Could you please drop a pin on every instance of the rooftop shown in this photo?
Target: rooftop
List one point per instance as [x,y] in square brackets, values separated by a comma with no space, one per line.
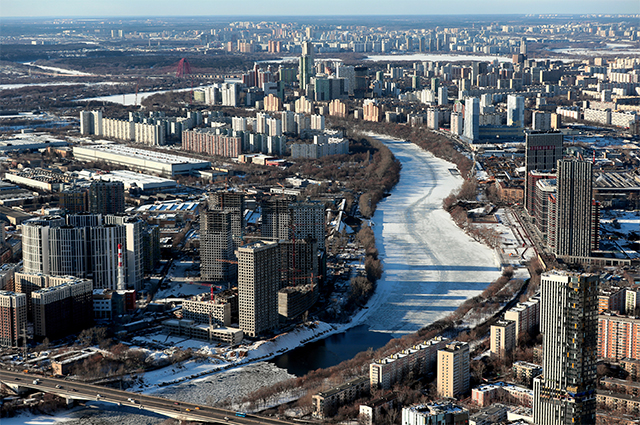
[144,154]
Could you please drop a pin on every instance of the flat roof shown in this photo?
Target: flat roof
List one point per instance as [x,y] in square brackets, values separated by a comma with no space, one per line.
[144,154]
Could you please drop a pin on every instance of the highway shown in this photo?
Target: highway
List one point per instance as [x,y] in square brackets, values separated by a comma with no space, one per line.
[171,408]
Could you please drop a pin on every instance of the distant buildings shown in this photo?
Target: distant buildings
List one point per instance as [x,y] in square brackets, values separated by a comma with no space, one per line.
[569,322]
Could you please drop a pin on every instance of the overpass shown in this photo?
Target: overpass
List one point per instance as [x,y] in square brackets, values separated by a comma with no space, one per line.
[71,390]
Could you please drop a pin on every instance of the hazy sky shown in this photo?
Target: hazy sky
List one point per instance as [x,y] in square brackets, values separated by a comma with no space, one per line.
[107,8]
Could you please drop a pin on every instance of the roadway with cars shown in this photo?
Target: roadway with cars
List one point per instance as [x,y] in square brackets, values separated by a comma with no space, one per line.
[171,408]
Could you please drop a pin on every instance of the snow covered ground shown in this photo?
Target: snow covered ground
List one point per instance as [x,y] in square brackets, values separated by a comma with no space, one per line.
[93,413]
[430,265]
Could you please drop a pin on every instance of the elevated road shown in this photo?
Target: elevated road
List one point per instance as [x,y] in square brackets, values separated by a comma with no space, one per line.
[72,390]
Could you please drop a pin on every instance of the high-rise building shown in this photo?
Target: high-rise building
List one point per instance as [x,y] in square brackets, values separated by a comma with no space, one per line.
[566,392]
[91,122]
[307,221]
[457,123]
[542,152]
[515,111]
[526,316]
[574,209]
[103,254]
[618,337]
[13,317]
[541,121]
[106,197]
[232,202]
[472,119]
[35,243]
[276,217]
[453,369]
[433,118]
[503,337]
[83,247]
[258,284]
[306,68]
[133,247]
[443,95]
[61,310]
[216,246]
[298,262]
[75,200]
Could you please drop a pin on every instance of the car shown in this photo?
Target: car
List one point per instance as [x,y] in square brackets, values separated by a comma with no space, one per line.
[188,410]
[176,403]
[74,390]
[58,386]
[36,381]
[98,396]
[17,379]
[197,408]
[226,419]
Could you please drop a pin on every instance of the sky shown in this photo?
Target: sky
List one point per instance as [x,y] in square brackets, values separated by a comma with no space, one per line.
[135,8]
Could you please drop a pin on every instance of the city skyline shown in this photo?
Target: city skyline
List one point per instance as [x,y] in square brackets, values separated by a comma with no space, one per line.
[253,8]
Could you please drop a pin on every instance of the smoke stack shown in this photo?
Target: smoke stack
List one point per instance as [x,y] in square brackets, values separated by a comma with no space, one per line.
[120,269]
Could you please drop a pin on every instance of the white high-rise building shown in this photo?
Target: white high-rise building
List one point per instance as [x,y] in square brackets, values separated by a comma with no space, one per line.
[443,95]
[91,122]
[433,118]
[472,119]
[457,123]
[515,111]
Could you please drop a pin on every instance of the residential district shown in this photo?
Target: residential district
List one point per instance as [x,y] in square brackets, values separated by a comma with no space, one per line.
[179,200]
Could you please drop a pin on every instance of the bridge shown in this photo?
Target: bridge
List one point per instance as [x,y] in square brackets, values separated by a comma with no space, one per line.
[71,390]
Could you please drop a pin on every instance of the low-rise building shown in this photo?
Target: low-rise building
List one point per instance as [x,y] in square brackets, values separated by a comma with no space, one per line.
[524,372]
[191,329]
[327,403]
[441,413]
[370,412]
[421,358]
[485,395]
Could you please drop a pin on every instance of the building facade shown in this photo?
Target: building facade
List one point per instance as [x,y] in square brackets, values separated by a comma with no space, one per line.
[565,393]
[453,369]
[258,285]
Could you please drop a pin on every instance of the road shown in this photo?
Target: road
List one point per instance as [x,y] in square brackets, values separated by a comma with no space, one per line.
[178,410]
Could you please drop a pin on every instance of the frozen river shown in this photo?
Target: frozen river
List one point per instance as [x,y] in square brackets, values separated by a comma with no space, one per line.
[430,265]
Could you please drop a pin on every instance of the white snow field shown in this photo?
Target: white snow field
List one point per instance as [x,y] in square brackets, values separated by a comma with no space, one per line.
[430,265]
